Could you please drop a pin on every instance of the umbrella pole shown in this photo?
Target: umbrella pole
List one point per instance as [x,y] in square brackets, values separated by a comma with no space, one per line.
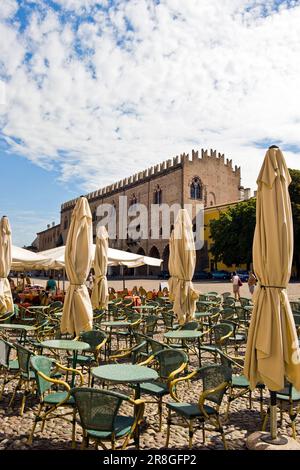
[273,416]
[274,437]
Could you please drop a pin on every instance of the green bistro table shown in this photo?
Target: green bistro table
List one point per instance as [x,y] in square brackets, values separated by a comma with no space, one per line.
[126,374]
[24,329]
[184,335]
[67,345]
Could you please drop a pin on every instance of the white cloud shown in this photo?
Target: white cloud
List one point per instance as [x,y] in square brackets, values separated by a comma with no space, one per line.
[8,8]
[154,81]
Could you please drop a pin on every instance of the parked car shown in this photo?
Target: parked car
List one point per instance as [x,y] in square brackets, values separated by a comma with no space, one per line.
[202,275]
[243,275]
[221,275]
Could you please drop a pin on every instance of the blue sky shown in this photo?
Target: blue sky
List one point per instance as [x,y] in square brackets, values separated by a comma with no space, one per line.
[93,91]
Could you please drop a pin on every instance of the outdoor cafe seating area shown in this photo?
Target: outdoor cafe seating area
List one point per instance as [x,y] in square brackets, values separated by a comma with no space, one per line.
[150,381]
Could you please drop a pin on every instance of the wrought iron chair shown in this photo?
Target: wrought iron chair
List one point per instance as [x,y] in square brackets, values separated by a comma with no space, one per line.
[50,400]
[215,380]
[100,419]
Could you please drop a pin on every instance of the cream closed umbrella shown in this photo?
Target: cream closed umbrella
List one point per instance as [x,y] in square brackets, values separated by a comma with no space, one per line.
[100,290]
[6,300]
[272,348]
[78,312]
[182,261]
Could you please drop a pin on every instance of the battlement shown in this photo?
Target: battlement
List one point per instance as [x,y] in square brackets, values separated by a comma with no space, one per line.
[161,168]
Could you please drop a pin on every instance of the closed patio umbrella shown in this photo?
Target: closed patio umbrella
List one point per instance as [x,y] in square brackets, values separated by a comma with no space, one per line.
[272,348]
[182,261]
[78,312]
[100,290]
[6,300]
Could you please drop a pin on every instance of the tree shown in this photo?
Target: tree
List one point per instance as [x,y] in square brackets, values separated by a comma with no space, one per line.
[294,190]
[233,232]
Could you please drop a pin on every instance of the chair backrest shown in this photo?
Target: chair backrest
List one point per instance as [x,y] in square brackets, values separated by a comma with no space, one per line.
[221,333]
[245,301]
[168,319]
[24,356]
[93,338]
[212,376]
[156,346]
[227,313]
[295,306]
[229,301]
[191,326]
[42,364]
[169,360]
[97,408]
[150,324]
[5,348]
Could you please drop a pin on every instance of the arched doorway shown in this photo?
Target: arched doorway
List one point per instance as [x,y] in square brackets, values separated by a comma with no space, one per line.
[141,271]
[128,271]
[154,270]
[165,256]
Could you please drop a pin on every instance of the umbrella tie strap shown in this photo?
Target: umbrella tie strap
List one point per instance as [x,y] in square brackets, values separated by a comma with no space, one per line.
[272,287]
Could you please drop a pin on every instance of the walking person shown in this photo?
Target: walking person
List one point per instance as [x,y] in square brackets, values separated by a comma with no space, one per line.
[236,284]
[252,282]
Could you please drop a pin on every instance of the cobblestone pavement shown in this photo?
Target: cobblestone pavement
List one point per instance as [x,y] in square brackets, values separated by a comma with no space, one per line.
[242,421]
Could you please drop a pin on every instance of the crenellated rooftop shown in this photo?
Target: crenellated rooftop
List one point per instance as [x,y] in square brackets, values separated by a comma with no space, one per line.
[140,177]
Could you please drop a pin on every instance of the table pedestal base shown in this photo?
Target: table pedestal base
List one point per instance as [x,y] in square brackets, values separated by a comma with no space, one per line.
[258,441]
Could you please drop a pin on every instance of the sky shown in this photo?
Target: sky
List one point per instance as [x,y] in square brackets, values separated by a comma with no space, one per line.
[94,91]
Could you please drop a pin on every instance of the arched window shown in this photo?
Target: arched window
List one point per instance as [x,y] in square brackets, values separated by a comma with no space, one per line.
[157,196]
[133,200]
[196,188]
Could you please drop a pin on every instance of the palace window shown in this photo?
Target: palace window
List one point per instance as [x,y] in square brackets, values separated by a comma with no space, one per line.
[196,188]
[133,200]
[157,195]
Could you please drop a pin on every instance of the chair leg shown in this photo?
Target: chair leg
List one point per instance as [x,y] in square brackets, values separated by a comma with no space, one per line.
[18,386]
[191,433]
[168,428]
[3,384]
[265,421]
[73,428]
[250,399]
[160,413]
[37,419]
[203,432]
[293,416]
[221,430]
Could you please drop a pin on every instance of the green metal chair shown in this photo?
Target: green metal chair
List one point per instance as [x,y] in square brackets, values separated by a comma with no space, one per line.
[97,340]
[169,363]
[9,367]
[229,302]
[100,419]
[221,332]
[50,400]
[25,374]
[150,325]
[168,319]
[215,381]
[239,383]
[290,397]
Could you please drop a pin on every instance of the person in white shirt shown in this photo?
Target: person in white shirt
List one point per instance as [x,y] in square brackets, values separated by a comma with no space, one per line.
[236,283]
